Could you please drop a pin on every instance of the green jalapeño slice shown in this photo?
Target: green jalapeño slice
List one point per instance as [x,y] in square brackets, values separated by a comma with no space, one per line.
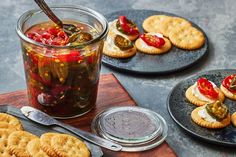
[217,110]
[122,42]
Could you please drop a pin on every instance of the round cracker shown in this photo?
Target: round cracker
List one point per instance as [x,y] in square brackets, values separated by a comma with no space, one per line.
[11,120]
[189,38]
[5,125]
[113,51]
[227,93]
[113,30]
[45,143]
[196,101]
[143,47]
[210,125]
[67,145]
[34,148]
[152,23]
[18,141]
[233,119]
[4,135]
[173,23]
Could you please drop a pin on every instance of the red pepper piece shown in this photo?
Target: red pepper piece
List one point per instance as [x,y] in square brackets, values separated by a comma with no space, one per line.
[62,35]
[127,26]
[31,35]
[53,31]
[58,41]
[206,88]
[152,40]
[47,35]
[36,37]
[226,83]
[51,36]
[73,56]
[91,59]
[33,58]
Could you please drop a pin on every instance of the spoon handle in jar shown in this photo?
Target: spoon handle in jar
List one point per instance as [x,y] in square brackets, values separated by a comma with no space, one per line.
[92,138]
[48,12]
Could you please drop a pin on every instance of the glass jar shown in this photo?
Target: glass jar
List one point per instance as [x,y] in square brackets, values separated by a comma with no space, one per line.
[63,80]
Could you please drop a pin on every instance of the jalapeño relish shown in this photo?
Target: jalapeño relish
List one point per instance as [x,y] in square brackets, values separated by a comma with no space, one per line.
[62,82]
[126,26]
[153,40]
[206,88]
[230,83]
[217,110]
[123,43]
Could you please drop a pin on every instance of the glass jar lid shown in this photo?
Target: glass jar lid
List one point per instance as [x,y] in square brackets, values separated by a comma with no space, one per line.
[135,128]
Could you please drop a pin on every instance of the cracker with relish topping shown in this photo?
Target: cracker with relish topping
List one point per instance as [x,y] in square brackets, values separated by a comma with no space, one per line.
[196,101]
[210,125]
[227,93]
[113,30]
[228,86]
[143,47]
[115,49]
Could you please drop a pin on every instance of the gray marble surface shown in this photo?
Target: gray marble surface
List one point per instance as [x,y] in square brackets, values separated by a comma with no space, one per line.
[216,17]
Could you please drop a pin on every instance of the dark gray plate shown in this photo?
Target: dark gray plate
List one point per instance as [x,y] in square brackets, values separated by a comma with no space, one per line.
[38,129]
[175,60]
[180,110]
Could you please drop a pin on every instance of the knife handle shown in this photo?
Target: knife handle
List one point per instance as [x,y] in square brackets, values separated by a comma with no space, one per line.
[92,138]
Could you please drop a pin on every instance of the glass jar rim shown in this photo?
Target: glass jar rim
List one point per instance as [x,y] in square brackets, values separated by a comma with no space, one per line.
[23,18]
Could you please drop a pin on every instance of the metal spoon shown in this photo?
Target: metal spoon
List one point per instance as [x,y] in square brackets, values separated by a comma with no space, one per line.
[69,29]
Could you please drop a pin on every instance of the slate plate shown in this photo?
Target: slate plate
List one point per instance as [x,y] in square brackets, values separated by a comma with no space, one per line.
[38,129]
[175,60]
[180,110]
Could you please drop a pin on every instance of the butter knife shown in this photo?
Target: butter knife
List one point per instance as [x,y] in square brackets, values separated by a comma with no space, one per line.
[44,119]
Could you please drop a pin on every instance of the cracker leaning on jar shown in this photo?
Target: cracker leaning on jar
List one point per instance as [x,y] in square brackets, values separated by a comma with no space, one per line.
[204,91]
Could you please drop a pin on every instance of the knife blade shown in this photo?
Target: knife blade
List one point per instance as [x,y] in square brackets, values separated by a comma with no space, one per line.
[44,119]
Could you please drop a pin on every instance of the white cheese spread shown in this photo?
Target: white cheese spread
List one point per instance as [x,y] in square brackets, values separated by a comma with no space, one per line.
[203,114]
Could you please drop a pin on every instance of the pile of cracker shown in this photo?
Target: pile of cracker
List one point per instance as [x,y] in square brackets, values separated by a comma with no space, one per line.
[15,142]
[180,31]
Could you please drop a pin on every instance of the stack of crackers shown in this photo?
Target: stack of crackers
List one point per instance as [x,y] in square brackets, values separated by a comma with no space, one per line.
[14,142]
